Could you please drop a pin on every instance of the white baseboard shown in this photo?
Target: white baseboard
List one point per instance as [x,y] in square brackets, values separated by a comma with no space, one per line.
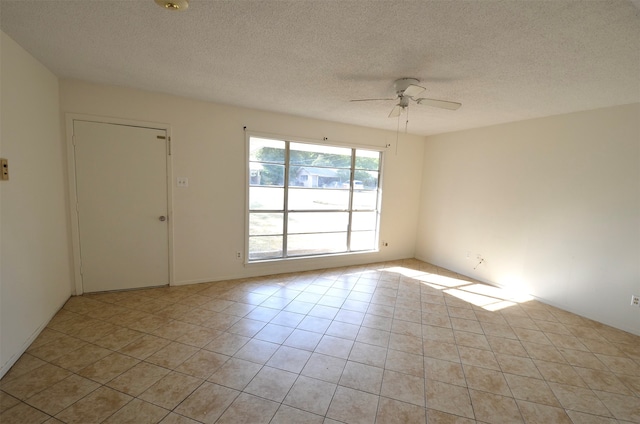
[25,345]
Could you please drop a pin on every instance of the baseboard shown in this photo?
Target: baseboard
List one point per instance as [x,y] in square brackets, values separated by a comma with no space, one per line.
[14,358]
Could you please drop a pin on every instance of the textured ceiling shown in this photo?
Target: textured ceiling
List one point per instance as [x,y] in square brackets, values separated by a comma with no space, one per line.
[504,60]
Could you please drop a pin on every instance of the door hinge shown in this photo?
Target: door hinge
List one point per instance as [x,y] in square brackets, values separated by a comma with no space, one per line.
[169,146]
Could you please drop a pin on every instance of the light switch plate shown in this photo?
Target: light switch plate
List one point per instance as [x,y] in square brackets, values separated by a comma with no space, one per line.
[4,169]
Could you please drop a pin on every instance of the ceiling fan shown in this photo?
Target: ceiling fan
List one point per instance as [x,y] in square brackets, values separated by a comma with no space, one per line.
[408,89]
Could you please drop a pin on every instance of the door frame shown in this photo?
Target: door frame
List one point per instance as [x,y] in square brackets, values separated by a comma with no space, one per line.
[70,118]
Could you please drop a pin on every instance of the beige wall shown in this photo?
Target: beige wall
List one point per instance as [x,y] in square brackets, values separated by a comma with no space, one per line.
[552,204]
[35,261]
[209,149]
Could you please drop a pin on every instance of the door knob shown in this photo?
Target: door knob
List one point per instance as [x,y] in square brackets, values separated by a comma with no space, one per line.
[163,218]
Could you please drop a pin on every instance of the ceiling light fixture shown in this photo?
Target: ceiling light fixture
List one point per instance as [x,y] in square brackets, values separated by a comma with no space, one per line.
[178,5]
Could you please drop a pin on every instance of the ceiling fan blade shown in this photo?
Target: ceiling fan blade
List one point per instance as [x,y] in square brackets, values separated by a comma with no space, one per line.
[442,104]
[369,100]
[413,90]
[396,111]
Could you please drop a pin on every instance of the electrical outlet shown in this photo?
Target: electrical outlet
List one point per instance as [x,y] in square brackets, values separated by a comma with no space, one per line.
[238,255]
[385,244]
[635,300]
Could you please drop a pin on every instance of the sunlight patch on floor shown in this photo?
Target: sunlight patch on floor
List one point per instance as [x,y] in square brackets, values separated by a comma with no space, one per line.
[485,296]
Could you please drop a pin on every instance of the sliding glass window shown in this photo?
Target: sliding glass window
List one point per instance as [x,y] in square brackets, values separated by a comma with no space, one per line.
[311,199]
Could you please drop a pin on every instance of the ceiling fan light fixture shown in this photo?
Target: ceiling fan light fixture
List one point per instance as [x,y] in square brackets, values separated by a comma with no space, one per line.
[175,5]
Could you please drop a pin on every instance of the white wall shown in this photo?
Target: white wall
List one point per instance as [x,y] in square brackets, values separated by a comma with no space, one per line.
[34,250]
[209,149]
[552,204]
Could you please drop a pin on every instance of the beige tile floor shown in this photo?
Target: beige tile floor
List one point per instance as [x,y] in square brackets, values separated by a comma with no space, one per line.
[397,342]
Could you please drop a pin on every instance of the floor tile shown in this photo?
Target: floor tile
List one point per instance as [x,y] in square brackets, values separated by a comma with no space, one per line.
[274,333]
[448,398]
[202,364]
[108,367]
[405,343]
[623,407]
[303,339]
[353,406]
[620,365]
[403,387]
[23,365]
[441,350]
[343,330]
[311,395]
[249,409]
[57,348]
[334,346]
[22,413]
[138,379]
[478,357]
[362,377]
[517,365]
[368,354]
[315,324]
[144,347]
[62,394]
[119,338]
[495,409]
[579,399]
[391,411]
[271,383]
[172,355]
[288,319]
[486,380]
[559,373]
[207,403]
[531,390]
[289,359]
[227,343]
[138,412]
[7,401]
[34,381]
[170,390]
[289,415]
[373,336]
[174,418]
[445,371]
[404,362]
[602,380]
[257,351]
[94,408]
[324,367]
[537,413]
[507,346]
[235,373]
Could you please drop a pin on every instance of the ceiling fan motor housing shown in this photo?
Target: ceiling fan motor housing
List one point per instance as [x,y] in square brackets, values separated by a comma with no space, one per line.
[403,83]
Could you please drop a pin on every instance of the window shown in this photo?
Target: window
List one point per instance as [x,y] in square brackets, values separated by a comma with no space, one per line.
[311,199]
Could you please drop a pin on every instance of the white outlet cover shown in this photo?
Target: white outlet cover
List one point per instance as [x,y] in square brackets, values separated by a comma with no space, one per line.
[182,182]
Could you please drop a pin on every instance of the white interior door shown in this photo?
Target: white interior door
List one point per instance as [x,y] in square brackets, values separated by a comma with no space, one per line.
[121,188]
